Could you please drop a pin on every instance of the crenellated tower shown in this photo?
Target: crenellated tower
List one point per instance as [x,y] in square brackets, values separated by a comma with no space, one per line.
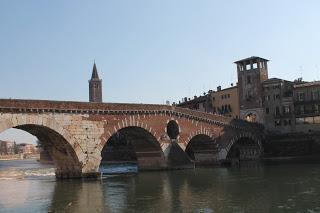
[251,73]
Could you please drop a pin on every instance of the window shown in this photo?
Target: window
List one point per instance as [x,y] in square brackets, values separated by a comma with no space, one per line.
[300,96]
[277,111]
[315,108]
[248,79]
[249,95]
[255,66]
[221,96]
[276,97]
[314,95]
[299,121]
[267,110]
[286,109]
[277,123]
[300,110]
[228,95]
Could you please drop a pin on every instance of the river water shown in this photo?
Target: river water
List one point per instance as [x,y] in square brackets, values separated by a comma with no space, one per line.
[27,186]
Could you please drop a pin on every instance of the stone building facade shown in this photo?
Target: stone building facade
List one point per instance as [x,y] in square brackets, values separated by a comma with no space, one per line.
[221,102]
[278,106]
[7,148]
[201,103]
[225,101]
[307,106]
[25,148]
[251,73]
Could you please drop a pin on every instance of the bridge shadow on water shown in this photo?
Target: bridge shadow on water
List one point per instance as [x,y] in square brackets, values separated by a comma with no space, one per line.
[246,189]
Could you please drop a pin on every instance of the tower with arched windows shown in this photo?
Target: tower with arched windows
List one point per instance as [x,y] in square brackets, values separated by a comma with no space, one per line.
[251,73]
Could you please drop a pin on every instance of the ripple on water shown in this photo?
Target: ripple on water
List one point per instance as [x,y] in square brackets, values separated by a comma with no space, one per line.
[25,173]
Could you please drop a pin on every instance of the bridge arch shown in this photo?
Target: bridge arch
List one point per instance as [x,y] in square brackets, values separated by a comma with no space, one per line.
[245,146]
[64,150]
[202,148]
[132,121]
[133,143]
[192,135]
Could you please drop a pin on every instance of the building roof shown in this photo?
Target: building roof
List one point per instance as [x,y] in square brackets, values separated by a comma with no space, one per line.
[251,58]
[274,80]
[199,99]
[94,72]
[227,88]
[307,84]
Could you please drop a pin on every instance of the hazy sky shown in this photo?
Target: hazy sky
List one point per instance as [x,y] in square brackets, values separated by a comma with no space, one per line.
[150,51]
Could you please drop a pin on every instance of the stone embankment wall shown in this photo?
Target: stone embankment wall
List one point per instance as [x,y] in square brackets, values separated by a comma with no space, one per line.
[291,145]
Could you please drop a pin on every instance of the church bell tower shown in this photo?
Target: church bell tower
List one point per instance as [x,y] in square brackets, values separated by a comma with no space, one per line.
[95,86]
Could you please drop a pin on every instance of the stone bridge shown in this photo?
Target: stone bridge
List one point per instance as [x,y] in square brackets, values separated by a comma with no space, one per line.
[162,137]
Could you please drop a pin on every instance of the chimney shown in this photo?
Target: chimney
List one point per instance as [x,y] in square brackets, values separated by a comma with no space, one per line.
[218,88]
[232,84]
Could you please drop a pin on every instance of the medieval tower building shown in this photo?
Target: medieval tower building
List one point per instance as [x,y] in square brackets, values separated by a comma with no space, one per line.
[251,73]
[95,86]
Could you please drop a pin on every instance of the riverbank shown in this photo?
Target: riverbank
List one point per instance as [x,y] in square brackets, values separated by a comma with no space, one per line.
[19,157]
[11,157]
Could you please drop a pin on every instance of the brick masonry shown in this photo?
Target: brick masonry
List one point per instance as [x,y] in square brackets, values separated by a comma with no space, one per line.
[76,132]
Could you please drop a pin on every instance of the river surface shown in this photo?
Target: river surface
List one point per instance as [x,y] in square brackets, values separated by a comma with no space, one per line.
[27,186]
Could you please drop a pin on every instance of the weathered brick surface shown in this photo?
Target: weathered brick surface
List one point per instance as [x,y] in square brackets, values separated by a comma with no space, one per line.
[86,127]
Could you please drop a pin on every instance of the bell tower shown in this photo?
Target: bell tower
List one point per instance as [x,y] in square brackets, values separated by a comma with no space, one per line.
[95,86]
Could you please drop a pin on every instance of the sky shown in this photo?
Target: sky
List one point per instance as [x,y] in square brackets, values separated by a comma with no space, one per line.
[150,51]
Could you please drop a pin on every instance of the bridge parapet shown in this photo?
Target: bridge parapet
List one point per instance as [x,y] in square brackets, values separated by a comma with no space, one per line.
[38,106]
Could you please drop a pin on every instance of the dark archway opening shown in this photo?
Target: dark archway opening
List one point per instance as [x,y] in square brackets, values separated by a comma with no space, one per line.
[131,145]
[172,129]
[244,149]
[202,149]
[59,150]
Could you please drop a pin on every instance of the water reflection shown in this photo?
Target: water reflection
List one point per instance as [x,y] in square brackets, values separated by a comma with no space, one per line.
[77,196]
[287,188]
[203,190]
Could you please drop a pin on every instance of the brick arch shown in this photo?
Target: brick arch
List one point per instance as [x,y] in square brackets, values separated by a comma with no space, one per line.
[124,123]
[46,122]
[194,134]
[144,144]
[243,135]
